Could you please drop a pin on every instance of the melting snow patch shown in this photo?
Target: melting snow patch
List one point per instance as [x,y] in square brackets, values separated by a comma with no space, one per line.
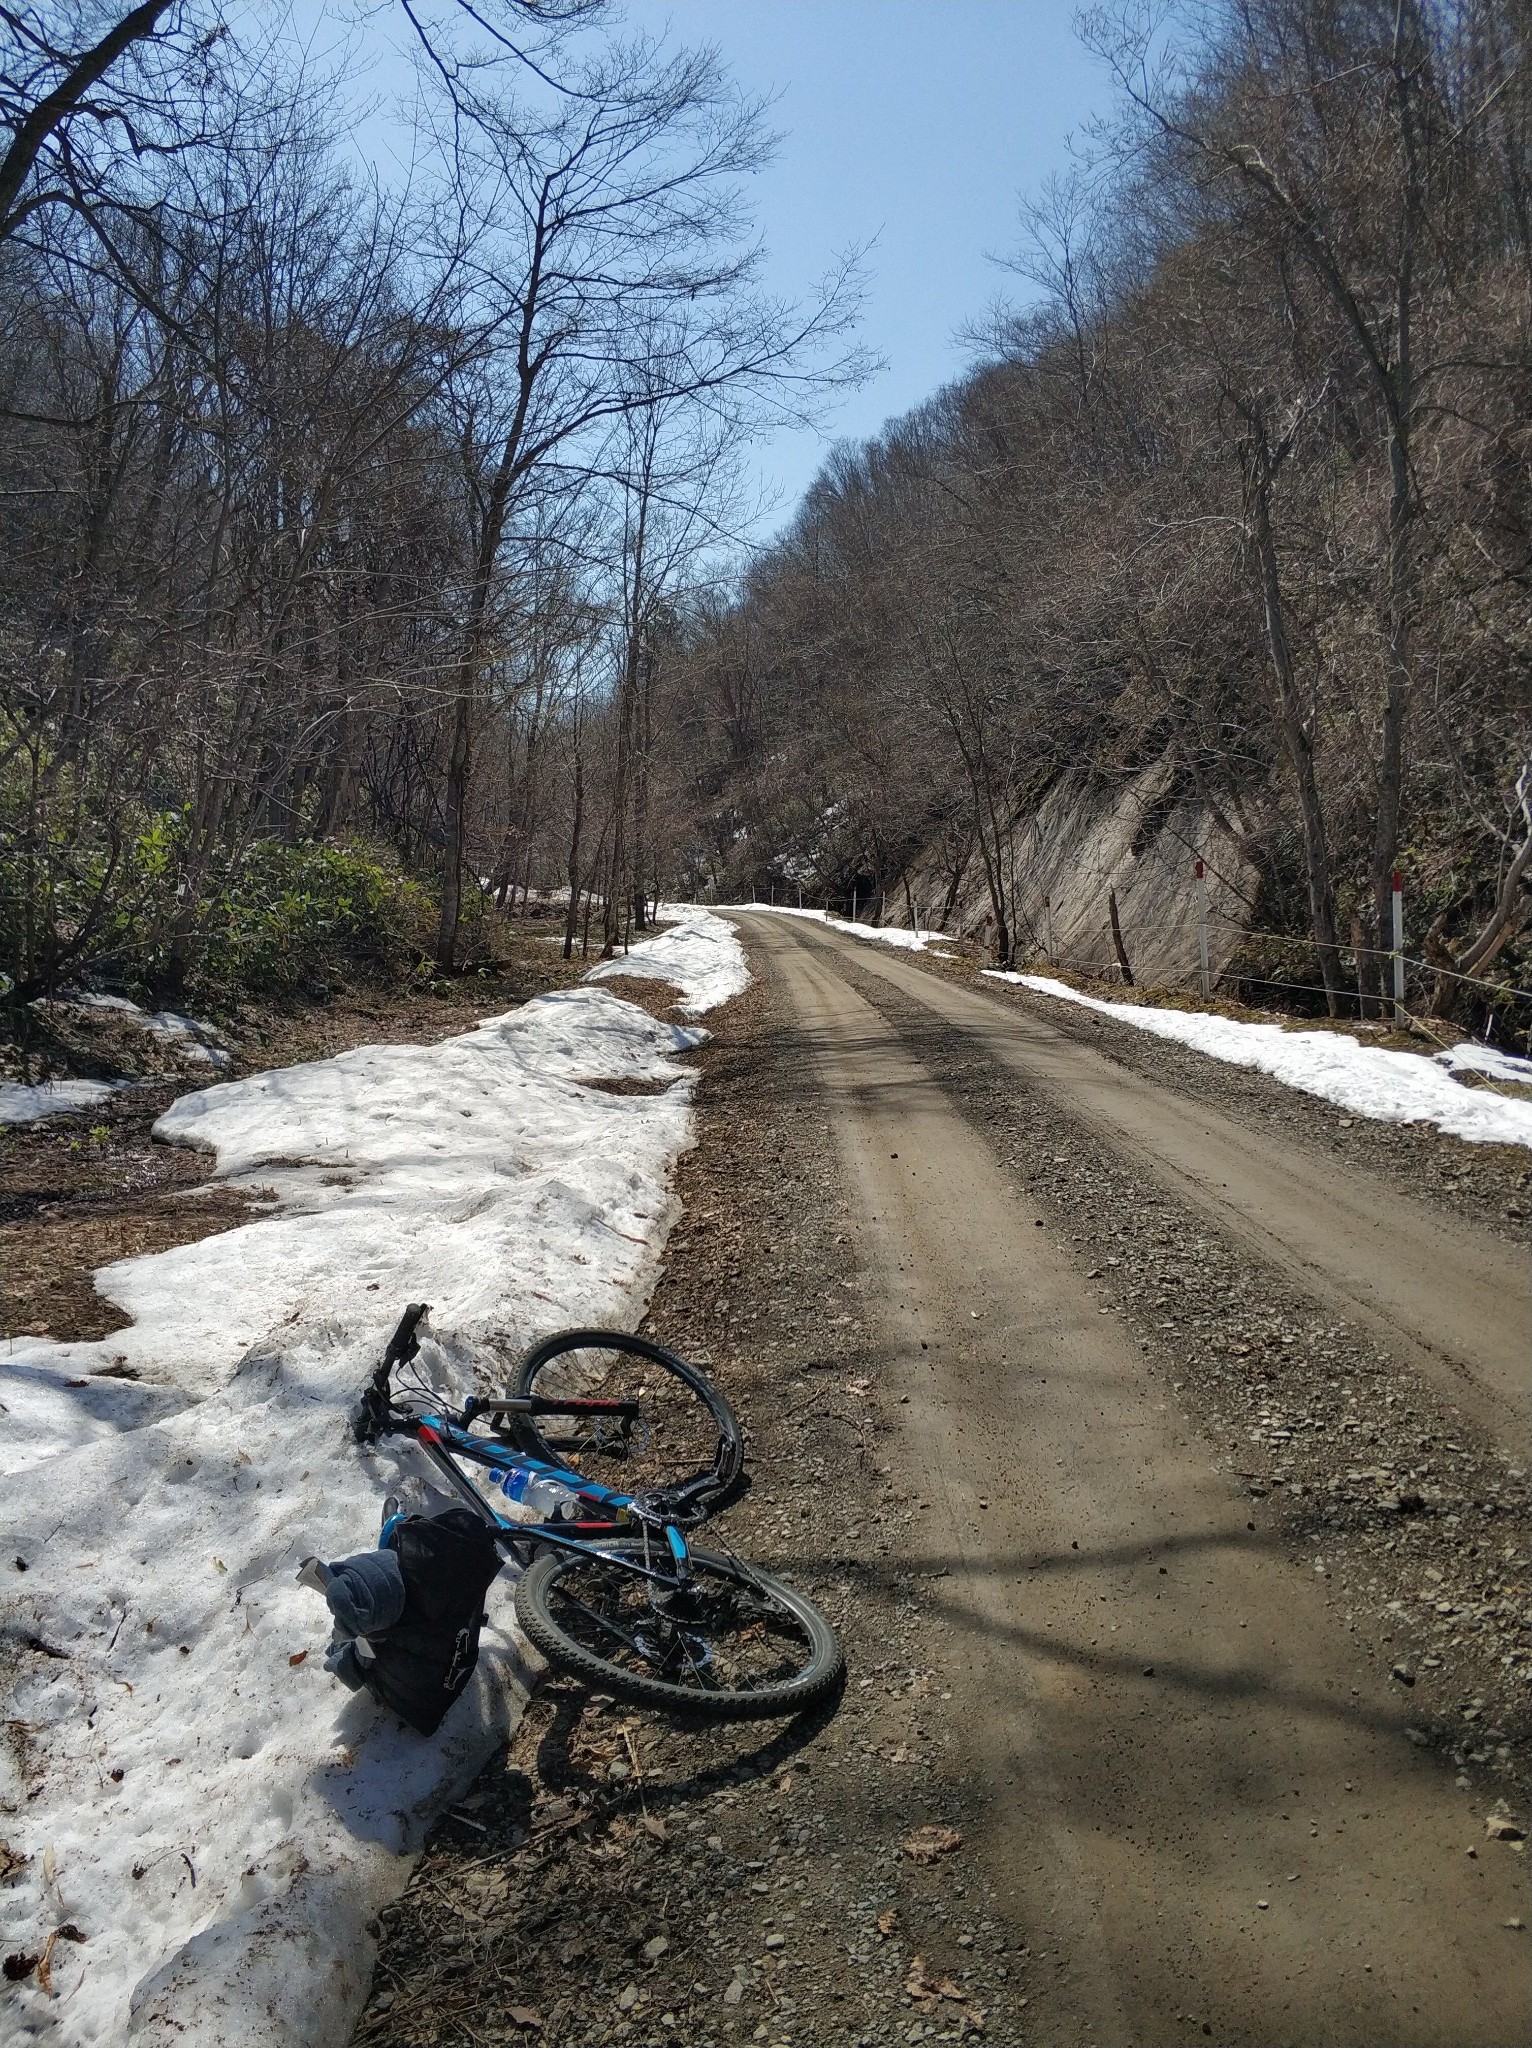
[1484,1059]
[192,1039]
[195,1041]
[217,1817]
[22,1102]
[701,956]
[1393,1087]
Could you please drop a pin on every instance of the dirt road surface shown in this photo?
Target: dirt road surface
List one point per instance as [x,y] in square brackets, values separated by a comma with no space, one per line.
[1450,1298]
[1181,1557]
[1195,1779]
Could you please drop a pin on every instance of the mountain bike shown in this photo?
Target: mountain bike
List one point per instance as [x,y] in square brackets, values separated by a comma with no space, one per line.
[611,1589]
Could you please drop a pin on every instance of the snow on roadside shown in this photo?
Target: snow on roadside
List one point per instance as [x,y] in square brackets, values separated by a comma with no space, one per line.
[701,955]
[880,934]
[192,1794]
[1367,1080]
[23,1102]
[1487,1060]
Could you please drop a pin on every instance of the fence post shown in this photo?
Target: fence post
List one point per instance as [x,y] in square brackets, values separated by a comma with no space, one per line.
[1400,1015]
[1202,931]
[1122,951]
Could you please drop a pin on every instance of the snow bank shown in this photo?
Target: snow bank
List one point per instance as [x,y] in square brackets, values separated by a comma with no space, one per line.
[216,1816]
[1394,1087]
[1485,1059]
[881,935]
[192,1039]
[29,1103]
[701,956]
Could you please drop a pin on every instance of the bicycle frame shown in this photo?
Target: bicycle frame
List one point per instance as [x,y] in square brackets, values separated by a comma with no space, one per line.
[443,1440]
[694,1619]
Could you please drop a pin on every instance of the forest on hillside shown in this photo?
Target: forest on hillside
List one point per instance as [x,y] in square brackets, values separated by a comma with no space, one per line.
[1244,495]
[341,516]
[370,559]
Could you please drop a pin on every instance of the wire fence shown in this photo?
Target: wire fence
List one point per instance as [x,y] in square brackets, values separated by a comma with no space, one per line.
[1506,991]
[1503,993]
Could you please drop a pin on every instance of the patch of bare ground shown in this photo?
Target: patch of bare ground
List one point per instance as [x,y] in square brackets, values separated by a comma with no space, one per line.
[80,1192]
[618,1878]
[659,998]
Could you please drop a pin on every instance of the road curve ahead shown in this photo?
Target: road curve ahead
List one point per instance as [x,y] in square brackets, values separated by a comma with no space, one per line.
[1200,1801]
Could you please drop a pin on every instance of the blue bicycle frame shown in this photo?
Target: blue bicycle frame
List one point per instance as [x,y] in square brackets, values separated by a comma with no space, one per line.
[443,1440]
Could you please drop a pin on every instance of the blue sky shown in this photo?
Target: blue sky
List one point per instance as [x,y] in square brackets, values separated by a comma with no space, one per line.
[910,125]
[915,122]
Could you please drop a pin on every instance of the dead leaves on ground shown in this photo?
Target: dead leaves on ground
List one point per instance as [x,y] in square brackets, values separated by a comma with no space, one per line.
[20,1966]
[928,1992]
[931,1842]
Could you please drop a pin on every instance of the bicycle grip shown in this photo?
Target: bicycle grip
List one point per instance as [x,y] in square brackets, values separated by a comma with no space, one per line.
[404,1343]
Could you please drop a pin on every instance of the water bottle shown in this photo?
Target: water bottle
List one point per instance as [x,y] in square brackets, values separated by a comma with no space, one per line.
[540,1496]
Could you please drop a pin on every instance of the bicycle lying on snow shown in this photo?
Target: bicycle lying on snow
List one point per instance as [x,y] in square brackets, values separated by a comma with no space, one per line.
[611,1588]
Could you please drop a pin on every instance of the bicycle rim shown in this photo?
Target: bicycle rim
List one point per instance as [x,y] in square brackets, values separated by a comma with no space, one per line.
[688,1429]
[737,1645]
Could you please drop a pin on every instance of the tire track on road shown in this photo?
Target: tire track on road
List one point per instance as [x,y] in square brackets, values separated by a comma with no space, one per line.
[1198,1783]
[1453,1300]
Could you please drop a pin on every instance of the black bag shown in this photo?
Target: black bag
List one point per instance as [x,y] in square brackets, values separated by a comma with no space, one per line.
[423,1662]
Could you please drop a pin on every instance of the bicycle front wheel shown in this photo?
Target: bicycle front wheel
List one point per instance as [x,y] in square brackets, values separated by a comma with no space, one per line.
[686,1429]
[734,1644]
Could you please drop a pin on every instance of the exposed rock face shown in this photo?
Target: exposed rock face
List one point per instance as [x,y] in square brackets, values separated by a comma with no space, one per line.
[1085,840]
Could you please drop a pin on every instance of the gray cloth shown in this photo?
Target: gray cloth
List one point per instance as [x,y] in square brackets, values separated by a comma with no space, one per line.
[366,1593]
[342,1661]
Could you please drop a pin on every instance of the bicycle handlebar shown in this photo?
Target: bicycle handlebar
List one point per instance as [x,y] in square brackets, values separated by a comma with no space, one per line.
[404,1344]
[373,1413]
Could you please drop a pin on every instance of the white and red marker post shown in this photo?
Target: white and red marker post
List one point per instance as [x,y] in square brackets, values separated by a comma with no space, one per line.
[1400,1014]
[1202,932]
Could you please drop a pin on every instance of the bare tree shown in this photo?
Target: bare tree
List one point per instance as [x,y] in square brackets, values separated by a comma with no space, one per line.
[610,218]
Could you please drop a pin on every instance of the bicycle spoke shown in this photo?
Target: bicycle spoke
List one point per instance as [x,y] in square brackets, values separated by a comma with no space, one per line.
[601,1621]
[720,1642]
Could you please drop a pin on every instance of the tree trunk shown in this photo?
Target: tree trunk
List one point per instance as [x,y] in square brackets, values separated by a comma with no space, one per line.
[1391,739]
[1121,949]
[1369,978]
[1297,741]
[455,819]
[572,913]
[955,881]
[644,714]
[616,896]
[590,894]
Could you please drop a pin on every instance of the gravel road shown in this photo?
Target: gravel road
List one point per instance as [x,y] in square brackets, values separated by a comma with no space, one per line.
[1180,1597]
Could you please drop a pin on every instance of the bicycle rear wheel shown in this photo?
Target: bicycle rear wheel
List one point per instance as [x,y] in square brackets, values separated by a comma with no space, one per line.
[687,1429]
[733,1645]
